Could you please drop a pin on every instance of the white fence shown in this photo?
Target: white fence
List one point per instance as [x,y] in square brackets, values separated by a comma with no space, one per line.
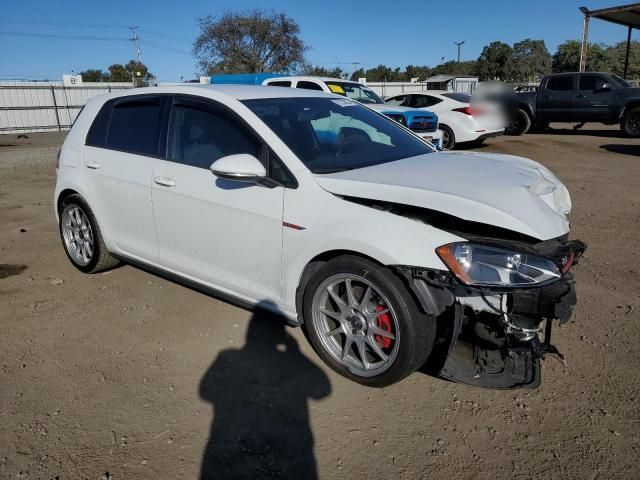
[389,89]
[45,106]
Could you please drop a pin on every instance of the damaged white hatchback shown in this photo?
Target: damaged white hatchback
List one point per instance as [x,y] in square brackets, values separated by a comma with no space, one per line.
[392,256]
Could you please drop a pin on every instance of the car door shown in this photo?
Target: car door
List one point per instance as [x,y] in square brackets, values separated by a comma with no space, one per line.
[122,147]
[556,99]
[593,99]
[222,232]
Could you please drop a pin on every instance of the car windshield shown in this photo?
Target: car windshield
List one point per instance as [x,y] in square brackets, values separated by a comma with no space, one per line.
[333,135]
[353,90]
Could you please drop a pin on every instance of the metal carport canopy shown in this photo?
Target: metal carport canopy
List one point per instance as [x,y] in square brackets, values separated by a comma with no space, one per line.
[626,15]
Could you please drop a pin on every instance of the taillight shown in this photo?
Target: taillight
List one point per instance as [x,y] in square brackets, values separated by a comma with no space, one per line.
[468,111]
[58,159]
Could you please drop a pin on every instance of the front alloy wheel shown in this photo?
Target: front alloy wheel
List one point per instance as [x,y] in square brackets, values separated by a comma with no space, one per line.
[364,322]
[356,324]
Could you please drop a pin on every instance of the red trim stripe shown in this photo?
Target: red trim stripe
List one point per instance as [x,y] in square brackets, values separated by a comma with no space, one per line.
[292,225]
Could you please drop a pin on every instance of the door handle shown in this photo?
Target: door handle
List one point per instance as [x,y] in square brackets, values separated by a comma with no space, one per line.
[165,181]
[580,96]
[93,165]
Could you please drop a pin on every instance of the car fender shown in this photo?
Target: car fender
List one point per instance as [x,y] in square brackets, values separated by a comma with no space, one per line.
[387,238]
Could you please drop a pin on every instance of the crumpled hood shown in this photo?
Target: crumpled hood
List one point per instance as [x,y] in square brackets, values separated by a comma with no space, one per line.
[501,190]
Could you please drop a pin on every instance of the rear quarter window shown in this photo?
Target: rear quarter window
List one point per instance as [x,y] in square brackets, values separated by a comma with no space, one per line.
[97,135]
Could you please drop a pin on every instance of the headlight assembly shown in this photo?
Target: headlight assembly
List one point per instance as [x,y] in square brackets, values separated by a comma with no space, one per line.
[482,265]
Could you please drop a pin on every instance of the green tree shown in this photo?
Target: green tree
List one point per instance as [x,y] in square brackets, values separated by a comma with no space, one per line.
[318,71]
[415,71]
[94,75]
[359,73]
[256,41]
[452,67]
[567,57]
[616,55]
[495,62]
[382,73]
[531,60]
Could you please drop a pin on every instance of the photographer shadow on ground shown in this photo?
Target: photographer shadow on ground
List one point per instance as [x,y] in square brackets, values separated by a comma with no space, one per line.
[260,395]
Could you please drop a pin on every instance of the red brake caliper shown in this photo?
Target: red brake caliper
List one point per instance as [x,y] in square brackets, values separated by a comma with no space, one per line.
[384,322]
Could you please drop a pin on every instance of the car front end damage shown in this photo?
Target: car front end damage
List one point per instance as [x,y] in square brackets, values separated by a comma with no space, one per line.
[493,329]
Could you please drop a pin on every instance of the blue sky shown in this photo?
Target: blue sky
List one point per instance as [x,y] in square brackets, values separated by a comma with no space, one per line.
[370,32]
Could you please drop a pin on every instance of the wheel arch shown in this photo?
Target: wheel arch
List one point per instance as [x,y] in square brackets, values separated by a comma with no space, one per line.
[628,106]
[67,192]
[312,267]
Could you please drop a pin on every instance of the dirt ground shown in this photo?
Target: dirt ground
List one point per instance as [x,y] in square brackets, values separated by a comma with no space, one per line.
[126,375]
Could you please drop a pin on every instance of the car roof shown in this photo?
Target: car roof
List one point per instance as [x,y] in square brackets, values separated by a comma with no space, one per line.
[425,92]
[237,92]
[310,78]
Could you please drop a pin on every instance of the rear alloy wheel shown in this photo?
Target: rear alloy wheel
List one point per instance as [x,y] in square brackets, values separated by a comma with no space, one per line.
[630,124]
[364,323]
[520,123]
[82,238]
[448,138]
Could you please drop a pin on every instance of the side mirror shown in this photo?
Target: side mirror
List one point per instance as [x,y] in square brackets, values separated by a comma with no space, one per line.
[241,167]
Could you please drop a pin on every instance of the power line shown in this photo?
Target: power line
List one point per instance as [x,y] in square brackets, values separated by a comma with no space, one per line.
[166,48]
[63,24]
[63,37]
[166,37]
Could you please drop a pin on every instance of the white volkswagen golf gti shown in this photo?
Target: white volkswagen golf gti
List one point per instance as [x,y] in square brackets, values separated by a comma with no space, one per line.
[393,257]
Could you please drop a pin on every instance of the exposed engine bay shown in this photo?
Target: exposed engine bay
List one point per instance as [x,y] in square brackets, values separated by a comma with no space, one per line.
[492,337]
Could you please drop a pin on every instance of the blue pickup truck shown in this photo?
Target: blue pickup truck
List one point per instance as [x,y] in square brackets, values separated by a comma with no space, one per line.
[421,122]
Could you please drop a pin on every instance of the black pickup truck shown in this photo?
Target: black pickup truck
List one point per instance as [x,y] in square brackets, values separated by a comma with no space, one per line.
[578,97]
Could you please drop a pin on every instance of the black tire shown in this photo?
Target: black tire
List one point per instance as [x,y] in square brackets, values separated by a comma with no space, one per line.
[100,258]
[448,138]
[539,126]
[520,123]
[630,123]
[416,331]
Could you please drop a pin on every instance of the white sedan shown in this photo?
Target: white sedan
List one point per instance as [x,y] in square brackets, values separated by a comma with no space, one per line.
[459,120]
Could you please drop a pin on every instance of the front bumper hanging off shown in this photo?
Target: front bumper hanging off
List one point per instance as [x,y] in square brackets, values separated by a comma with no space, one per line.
[496,338]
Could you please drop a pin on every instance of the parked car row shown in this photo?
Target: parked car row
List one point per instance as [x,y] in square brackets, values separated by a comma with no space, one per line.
[422,123]
[459,120]
[578,97]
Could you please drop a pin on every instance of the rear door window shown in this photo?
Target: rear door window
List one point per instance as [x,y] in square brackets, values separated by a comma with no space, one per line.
[308,85]
[560,84]
[397,101]
[422,101]
[280,83]
[135,125]
[591,83]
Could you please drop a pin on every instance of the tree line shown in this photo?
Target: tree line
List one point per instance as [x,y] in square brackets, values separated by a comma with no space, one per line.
[267,41]
[118,73]
[525,61]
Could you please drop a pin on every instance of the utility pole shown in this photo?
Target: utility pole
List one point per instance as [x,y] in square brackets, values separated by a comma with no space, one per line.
[459,44]
[355,67]
[136,41]
[584,45]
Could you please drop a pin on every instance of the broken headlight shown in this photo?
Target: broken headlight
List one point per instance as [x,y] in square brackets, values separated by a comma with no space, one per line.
[482,265]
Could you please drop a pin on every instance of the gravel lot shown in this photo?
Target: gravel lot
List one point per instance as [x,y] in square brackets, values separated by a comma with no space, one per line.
[126,375]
